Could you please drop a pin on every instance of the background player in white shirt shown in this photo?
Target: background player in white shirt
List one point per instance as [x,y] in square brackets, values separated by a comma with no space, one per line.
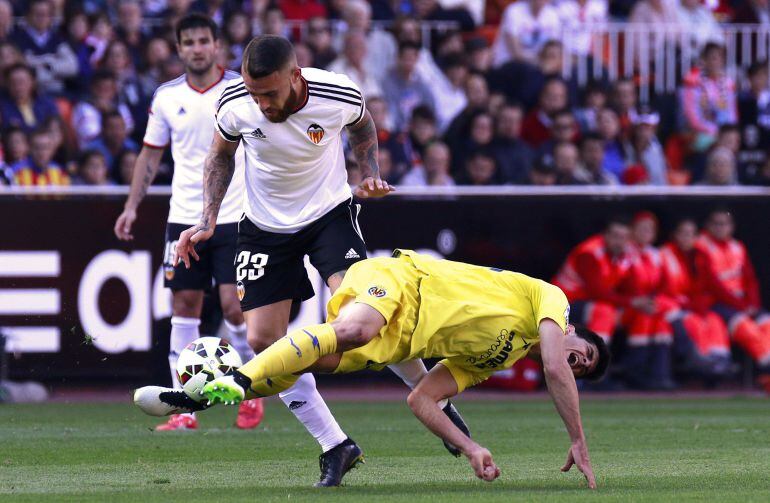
[290,121]
[180,115]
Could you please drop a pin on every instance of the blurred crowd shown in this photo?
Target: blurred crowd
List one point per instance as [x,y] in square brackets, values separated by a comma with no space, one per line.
[682,307]
[468,92]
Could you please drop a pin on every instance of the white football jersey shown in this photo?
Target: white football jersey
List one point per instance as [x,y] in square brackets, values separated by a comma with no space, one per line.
[295,170]
[181,115]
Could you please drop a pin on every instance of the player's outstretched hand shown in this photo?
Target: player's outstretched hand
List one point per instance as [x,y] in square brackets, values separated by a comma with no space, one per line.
[373,187]
[578,455]
[483,464]
[124,223]
[185,247]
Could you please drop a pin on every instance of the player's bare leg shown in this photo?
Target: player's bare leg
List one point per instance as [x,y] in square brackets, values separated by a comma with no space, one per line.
[267,324]
[186,312]
[250,412]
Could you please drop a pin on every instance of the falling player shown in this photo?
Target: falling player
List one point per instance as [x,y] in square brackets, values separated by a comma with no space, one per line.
[180,116]
[389,310]
[290,123]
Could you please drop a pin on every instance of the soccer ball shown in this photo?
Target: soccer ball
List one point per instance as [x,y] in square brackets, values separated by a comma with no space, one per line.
[202,361]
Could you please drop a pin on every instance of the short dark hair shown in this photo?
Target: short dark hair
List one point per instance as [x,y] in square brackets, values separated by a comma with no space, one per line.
[20,66]
[623,220]
[196,20]
[423,112]
[111,114]
[88,154]
[266,54]
[602,350]
[481,153]
[589,137]
[100,75]
[757,67]
[713,46]
[718,211]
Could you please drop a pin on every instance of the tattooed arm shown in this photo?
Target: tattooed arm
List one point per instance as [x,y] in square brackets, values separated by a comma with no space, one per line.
[145,169]
[217,172]
[363,140]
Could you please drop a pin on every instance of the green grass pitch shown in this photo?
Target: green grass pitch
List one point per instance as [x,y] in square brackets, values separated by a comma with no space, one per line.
[642,450]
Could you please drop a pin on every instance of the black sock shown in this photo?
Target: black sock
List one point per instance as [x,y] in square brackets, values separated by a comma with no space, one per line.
[242,380]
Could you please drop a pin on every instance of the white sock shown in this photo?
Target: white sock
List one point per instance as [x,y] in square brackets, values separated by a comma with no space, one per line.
[183,332]
[304,401]
[237,336]
[411,372]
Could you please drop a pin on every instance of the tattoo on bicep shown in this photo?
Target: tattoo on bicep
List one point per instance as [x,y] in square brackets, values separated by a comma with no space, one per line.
[363,141]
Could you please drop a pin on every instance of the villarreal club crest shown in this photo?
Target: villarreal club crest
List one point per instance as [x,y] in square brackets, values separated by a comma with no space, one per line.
[316,133]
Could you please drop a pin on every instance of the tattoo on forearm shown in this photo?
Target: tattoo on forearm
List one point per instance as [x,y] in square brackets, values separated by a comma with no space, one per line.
[363,141]
[149,175]
[217,173]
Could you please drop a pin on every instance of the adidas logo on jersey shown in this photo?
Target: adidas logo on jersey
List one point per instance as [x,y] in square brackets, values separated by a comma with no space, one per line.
[182,111]
[257,133]
[352,254]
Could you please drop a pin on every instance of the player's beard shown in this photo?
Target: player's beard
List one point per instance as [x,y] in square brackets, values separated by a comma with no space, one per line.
[200,70]
[292,102]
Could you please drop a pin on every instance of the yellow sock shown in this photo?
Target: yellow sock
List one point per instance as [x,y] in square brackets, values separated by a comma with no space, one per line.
[270,387]
[292,353]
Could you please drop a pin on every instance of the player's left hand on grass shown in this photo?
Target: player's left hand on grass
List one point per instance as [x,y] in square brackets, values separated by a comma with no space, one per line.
[373,187]
[482,463]
[578,455]
[185,247]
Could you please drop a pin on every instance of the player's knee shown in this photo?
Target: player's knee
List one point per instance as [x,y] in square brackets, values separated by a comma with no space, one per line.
[233,314]
[352,333]
[187,306]
[259,340]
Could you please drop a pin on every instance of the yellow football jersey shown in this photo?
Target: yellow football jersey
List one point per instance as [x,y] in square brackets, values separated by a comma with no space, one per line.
[479,319]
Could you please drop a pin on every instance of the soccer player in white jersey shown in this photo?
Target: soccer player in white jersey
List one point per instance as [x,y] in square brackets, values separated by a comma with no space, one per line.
[180,116]
[290,123]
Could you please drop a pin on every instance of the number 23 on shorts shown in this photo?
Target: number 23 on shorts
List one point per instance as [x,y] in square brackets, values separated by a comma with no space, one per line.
[250,266]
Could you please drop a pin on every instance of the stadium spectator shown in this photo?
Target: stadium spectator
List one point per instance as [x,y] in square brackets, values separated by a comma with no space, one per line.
[319,39]
[566,160]
[698,22]
[648,351]
[44,49]
[237,32]
[479,135]
[9,56]
[77,26]
[754,113]
[92,169]
[543,173]
[421,131]
[304,55]
[433,10]
[63,152]
[38,169]
[644,158]
[592,159]
[514,158]
[701,340]
[158,52]
[274,23]
[594,99]
[117,60]
[479,55]
[6,20]
[130,30]
[728,285]
[382,47]
[87,115]
[385,161]
[536,129]
[15,146]
[579,20]
[387,138]
[609,129]
[564,128]
[404,89]
[477,95]
[99,36]
[525,27]
[126,166]
[408,30]
[480,169]
[218,10]
[624,102]
[352,62]
[592,277]
[656,13]
[720,168]
[708,98]
[433,171]
[173,11]
[113,141]
[24,107]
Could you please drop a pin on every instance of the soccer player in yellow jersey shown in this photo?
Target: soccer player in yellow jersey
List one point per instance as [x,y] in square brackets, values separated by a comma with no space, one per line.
[480,320]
